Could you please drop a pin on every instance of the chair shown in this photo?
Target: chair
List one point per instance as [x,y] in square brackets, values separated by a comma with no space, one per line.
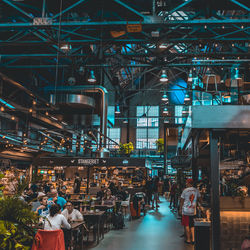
[49,240]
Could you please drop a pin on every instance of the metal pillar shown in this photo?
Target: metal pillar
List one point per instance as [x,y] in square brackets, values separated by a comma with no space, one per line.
[194,159]
[215,196]
[165,150]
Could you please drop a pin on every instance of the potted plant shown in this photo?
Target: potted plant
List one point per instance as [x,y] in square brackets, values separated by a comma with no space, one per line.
[16,220]
[160,145]
[126,148]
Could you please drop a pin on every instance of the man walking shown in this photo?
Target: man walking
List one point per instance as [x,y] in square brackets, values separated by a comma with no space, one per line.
[188,204]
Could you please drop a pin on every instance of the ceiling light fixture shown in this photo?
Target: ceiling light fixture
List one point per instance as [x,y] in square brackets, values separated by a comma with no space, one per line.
[65,47]
[190,76]
[164,97]
[165,111]
[164,77]
[125,121]
[117,109]
[163,46]
[92,78]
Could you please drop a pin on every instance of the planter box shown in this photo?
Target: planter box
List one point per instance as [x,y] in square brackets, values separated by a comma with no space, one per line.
[235,203]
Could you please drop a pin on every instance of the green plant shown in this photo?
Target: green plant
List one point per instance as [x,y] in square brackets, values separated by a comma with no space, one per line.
[16,219]
[160,145]
[126,148]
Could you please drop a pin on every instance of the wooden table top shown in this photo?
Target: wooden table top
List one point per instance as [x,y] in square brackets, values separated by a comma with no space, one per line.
[88,213]
[76,224]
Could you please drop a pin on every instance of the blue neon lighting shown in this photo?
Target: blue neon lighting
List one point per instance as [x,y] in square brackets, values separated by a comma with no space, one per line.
[6,104]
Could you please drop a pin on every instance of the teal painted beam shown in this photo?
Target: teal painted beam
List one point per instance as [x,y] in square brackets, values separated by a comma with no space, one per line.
[194,64]
[241,5]
[69,8]
[18,9]
[117,23]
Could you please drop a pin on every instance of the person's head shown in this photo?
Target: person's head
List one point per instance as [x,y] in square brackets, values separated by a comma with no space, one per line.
[69,207]
[53,193]
[76,174]
[30,191]
[54,210]
[43,200]
[107,193]
[189,182]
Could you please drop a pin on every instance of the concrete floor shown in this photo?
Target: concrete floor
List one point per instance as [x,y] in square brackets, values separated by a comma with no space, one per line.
[158,230]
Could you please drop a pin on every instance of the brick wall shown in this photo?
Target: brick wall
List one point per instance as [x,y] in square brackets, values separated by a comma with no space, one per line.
[235,226]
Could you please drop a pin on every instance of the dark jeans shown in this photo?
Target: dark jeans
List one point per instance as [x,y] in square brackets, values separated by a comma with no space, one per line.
[172,200]
[148,198]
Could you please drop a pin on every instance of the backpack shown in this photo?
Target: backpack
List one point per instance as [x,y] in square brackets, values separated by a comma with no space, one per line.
[118,221]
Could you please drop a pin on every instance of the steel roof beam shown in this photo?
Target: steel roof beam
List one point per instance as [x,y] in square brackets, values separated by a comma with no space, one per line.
[179,7]
[69,8]
[203,64]
[241,5]
[18,9]
[146,23]
[130,9]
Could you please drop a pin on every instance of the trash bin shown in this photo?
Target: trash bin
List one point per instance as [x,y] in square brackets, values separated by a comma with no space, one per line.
[202,234]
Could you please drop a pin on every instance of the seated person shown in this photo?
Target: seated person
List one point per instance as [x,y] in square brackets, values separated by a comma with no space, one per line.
[108,199]
[55,220]
[43,209]
[57,199]
[72,214]
[30,195]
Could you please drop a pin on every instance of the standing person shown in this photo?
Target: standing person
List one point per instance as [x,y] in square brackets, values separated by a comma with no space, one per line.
[188,203]
[57,199]
[77,183]
[166,186]
[155,192]
[173,190]
[149,190]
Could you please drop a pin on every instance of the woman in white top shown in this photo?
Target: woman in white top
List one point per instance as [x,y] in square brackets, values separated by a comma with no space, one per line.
[55,220]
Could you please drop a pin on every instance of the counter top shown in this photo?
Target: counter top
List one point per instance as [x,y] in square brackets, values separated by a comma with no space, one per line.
[201,222]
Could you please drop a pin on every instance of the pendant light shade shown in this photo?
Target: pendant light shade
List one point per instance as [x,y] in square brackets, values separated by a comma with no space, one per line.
[164,97]
[164,77]
[117,109]
[92,78]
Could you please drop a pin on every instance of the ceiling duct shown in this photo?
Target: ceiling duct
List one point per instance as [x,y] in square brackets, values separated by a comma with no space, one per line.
[73,100]
[90,89]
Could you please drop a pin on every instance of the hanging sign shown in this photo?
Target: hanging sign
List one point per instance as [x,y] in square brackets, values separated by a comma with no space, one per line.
[88,162]
[134,28]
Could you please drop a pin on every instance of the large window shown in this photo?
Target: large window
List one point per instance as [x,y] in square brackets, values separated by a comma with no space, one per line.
[115,135]
[147,131]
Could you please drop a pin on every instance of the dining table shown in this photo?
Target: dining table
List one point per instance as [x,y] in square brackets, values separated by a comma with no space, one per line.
[95,219]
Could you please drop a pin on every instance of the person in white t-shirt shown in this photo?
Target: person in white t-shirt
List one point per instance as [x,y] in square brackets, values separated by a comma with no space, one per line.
[55,220]
[188,203]
[72,214]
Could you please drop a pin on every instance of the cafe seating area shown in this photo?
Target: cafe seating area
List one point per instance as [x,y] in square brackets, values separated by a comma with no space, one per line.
[124,124]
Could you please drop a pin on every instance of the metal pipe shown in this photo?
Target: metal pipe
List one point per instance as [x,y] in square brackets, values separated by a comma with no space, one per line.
[104,102]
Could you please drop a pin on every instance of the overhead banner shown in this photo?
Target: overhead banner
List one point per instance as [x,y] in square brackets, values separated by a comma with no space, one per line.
[89,162]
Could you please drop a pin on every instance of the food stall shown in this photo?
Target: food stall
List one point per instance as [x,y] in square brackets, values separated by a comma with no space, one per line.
[130,172]
[215,132]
